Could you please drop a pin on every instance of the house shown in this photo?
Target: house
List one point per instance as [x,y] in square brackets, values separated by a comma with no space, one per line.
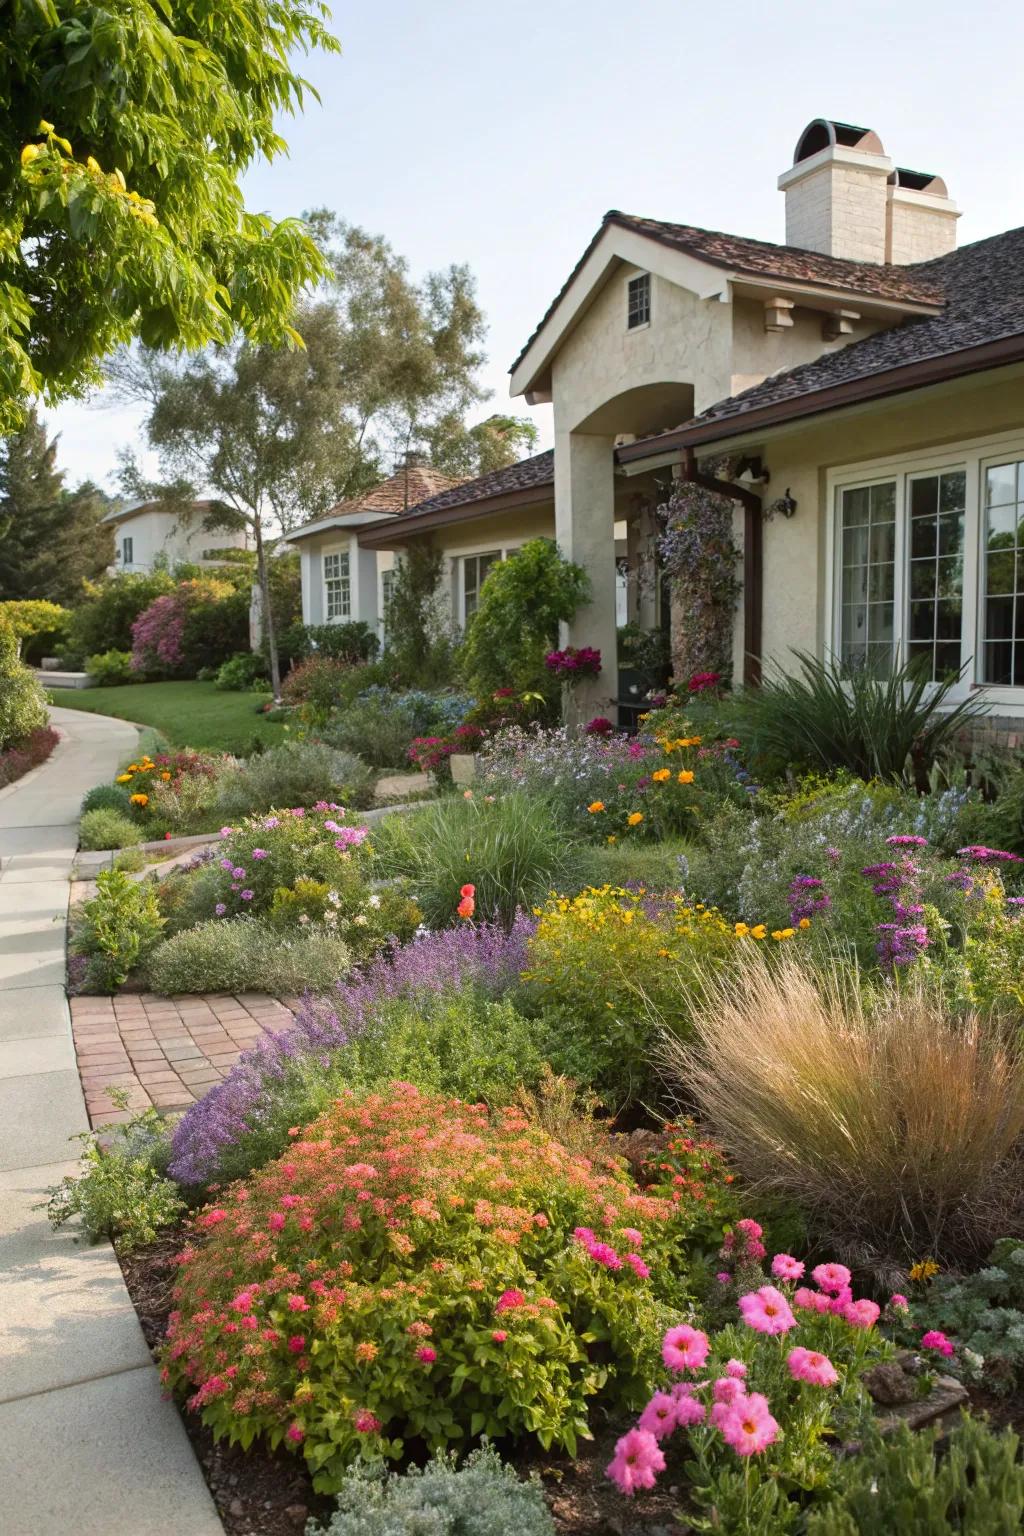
[863,386]
[148,533]
[343,580]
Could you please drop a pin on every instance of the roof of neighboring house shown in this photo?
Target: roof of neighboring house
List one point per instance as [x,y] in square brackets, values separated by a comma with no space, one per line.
[134,508]
[761,258]
[530,480]
[981,326]
[406,488]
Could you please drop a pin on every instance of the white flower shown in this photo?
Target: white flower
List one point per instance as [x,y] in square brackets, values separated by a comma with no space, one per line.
[360,920]
[375,900]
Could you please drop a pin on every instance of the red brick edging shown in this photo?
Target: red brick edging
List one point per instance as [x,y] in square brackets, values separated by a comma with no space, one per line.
[164,1051]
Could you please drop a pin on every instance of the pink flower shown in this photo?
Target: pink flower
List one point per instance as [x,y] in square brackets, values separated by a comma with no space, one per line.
[685,1348]
[499,1335]
[366,1423]
[213,1218]
[297,1343]
[727,1389]
[808,1365]
[659,1418]
[898,1302]
[840,1301]
[862,1314]
[425,1355]
[689,1410]
[735,1368]
[784,1267]
[811,1301]
[584,1235]
[243,1302]
[276,1221]
[509,1300]
[935,1339]
[749,1427]
[603,1254]
[295,1433]
[637,1264]
[766,1310]
[633,1237]
[723,1277]
[831,1277]
[637,1461]
[298,1304]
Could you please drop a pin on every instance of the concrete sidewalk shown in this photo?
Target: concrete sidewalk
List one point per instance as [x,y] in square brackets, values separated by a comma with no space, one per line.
[88,1445]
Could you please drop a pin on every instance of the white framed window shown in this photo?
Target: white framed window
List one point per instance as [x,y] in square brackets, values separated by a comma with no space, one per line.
[337,586]
[127,545]
[927,563]
[473,570]
[387,591]
[638,301]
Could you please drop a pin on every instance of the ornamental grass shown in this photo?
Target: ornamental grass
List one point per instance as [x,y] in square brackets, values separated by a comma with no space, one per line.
[892,1120]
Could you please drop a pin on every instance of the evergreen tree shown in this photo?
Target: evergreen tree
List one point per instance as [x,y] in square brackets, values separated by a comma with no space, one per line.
[50,538]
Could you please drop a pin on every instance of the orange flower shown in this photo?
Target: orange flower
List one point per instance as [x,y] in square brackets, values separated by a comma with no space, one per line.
[661,774]
[685,776]
[595,806]
[635,818]
[139,799]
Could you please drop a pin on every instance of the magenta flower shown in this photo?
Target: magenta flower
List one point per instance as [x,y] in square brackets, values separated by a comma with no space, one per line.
[425,1355]
[735,1368]
[785,1267]
[811,1301]
[246,895]
[660,1417]
[749,1427]
[766,1310]
[831,1277]
[685,1348]
[808,1365]
[637,1461]
[936,1339]
[899,1302]
[259,853]
[220,909]
[862,1314]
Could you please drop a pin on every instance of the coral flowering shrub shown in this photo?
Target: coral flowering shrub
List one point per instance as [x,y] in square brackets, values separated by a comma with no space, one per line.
[415,1267]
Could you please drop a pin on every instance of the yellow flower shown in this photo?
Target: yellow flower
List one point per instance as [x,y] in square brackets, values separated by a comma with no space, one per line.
[759,932]
[782,933]
[139,799]
[29,153]
[685,776]
[805,922]
[635,818]
[661,774]
[93,164]
[664,954]
[44,126]
[689,741]
[595,806]
[612,838]
[124,778]
[923,1270]
[741,930]
[133,767]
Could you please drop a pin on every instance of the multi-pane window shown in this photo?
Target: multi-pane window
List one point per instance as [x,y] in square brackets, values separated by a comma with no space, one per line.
[638,301]
[1003,536]
[474,569]
[337,587]
[936,581]
[126,551]
[868,575]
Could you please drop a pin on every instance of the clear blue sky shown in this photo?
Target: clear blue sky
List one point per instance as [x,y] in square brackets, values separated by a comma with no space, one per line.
[498,135]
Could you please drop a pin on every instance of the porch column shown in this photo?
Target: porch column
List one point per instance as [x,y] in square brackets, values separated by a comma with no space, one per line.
[585,530]
[363,577]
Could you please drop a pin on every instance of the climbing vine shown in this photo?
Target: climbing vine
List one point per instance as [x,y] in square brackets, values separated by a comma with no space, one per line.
[700,555]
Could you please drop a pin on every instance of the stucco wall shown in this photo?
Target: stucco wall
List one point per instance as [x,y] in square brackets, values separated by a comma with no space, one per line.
[160,533]
[756,352]
[794,550]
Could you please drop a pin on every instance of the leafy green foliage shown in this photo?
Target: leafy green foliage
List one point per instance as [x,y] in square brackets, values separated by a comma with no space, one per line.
[522,602]
[126,218]
[483,1497]
[120,1190]
[107,827]
[103,620]
[107,797]
[30,619]
[352,642]
[984,1313]
[22,701]
[241,672]
[511,850]
[111,669]
[825,717]
[900,1483]
[117,928]
[246,954]
[419,634]
[295,773]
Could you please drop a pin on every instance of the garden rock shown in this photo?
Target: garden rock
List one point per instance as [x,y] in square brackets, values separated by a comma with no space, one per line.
[889,1384]
[904,1404]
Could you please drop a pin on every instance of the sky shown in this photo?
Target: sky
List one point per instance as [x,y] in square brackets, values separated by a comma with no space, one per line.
[499,134]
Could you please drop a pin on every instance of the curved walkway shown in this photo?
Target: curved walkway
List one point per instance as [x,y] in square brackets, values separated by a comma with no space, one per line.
[88,1444]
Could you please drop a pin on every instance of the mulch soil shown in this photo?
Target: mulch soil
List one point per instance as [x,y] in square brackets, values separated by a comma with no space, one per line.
[262,1494]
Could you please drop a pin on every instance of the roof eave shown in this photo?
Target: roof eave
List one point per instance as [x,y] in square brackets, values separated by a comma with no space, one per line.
[403,529]
[877,386]
[345,520]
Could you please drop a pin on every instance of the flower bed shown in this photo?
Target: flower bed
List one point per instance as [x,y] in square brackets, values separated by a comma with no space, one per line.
[27,754]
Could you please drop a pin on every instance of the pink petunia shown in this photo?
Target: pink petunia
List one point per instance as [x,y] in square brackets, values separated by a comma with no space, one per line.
[728,1389]
[685,1348]
[785,1267]
[810,1301]
[689,1410]
[766,1310]
[295,1433]
[637,1461]
[810,1366]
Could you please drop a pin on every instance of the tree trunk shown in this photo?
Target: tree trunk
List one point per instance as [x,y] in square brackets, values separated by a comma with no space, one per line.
[268,613]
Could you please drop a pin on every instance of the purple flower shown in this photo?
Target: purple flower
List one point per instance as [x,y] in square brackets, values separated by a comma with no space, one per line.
[271,821]
[227,863]
[906,840]
[259,853]
[983,855]
[226,831]
[246,895]
[238,873]
[220,909]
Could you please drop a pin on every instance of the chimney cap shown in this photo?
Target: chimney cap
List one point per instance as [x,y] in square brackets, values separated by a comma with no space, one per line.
[412,458]
[918,181]
[825,133]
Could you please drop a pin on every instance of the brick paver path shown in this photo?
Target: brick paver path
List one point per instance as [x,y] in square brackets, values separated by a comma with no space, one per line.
[165,1051]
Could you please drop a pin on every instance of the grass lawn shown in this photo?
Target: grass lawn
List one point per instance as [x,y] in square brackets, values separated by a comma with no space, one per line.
[189,714]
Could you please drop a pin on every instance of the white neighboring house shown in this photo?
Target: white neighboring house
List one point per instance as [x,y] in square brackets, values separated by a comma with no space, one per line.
[147,533]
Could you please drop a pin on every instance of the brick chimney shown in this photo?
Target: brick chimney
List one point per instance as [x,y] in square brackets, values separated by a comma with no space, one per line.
[845,197]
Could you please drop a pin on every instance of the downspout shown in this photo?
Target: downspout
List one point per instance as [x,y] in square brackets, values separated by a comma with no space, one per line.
[753,563]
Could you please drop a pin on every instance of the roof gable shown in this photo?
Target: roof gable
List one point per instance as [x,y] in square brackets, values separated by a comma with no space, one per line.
[393,497]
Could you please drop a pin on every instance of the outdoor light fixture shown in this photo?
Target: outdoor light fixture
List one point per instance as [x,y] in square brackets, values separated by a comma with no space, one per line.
[785,504]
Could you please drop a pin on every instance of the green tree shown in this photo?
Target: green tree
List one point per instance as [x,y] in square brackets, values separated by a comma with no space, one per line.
[51,539]
[523,601]
[470,451]
[125,128]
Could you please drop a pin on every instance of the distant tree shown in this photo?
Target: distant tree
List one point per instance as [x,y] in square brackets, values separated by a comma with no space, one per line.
[51,538]
[470,451]
[125,129]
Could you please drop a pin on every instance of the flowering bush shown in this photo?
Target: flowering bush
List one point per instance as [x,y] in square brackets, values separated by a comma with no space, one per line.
[611,968]
[975,1322]
[409,1269]
[172,787]
[574,663]
[431,753]
[30,751]
[201,623]
[772,1385]
[244,1120]
[700,555]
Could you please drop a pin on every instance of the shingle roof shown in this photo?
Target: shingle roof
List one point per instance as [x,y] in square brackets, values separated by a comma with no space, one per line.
[527,475]
[760,258]
[396,495]
[983,286]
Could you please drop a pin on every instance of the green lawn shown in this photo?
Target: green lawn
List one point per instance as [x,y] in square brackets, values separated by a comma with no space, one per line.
[188,714]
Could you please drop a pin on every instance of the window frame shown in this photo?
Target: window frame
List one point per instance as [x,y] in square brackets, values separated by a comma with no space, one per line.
[499,554]
[975,456]
[127,549]
[641,325]
[343,580]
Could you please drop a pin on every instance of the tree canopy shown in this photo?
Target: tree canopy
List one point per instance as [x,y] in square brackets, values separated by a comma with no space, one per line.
[124,130]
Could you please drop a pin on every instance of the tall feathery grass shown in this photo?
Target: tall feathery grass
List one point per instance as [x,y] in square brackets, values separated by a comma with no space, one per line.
[898,1125]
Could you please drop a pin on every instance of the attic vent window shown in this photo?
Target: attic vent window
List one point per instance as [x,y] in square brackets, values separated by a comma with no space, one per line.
[638,301]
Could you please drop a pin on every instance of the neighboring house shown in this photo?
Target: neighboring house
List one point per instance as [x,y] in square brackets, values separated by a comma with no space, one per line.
[147,533]
[342,580]
[865,384]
